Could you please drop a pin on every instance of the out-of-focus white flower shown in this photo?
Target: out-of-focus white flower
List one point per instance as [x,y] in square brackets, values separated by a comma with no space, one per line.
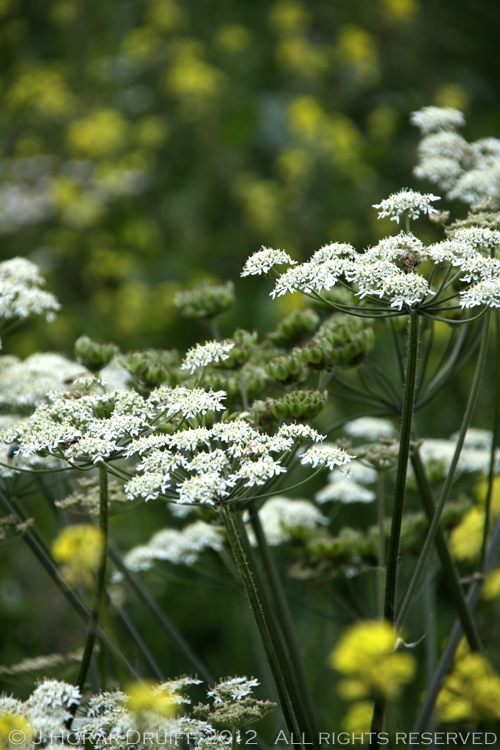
[370,428]
[280,514]
[434,119]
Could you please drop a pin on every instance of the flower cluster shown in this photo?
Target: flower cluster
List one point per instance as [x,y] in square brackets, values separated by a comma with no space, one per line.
[20,291]
[471,692]
[388,273]
[281,515]
[202,355]
[468,172]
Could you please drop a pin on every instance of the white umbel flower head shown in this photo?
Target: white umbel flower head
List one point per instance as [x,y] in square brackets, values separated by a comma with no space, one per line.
[326,455]
[202,355]
[345,491]
[406,202]
[234,689]
[435,119]
[370,428]
[262,261]
[20,292]
[280,514]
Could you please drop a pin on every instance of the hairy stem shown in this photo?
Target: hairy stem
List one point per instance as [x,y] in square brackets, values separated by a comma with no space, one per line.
[494,443]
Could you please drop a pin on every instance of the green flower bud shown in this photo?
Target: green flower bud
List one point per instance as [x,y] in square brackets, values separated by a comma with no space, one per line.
[287,369]
[93,355]
[205,300]
[304,404]
[152,367]
[294,327]
[244,342]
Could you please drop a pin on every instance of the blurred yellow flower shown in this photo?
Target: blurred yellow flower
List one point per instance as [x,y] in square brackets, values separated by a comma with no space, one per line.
[299,55]
[400,10]
[145,696]
[491,588]
[100,134]
[289,17]
[232,38]
[191,79]
[467,538]
[166,15]
[366,653]
[44,88]
[452,95]
[358,718]
[359,48]
[78,549]
[471,692]
[14,732]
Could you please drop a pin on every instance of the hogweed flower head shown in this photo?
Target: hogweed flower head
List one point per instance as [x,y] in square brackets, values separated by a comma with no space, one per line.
[406,203]
[436,119]
[202,355]
[265,259]
[20,291]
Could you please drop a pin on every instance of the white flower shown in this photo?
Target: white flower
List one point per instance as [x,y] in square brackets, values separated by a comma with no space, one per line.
[332,251]
[432,119]
[370,428]
[486,292]
[476,438]
[262,261]
[202,355]
[439,170]
[234,689]
[187,402]
[280,514]
[309,277]
[27,383]
[207,488]
[444,145]
[20,293]
[345,491]
[148,485]
[326,455]
[406,202]
[259,472]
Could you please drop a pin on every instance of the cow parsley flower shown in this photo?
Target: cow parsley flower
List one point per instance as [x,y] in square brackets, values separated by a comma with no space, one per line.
[345,491]
[20,292]
[202,355]
[262,261]
[259,472]
[406,202]
[435,119]
[309,277]
[326,455]
[281,514]
[233,689]
[369,428]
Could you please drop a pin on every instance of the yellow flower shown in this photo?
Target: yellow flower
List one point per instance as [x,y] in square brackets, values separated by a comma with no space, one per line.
[100,134]
[358,718]
[471,692]
[14,732]
[289,17]
[400,10]
[145,696]
[491,588]
[466,538]
[232,38]
[78,548]
[365,653]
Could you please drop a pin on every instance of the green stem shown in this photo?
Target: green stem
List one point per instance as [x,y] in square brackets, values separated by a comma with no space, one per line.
[431,534]
[450,571]
[448,655]
[285,622]
[381,545]
[171,631]
[494,443]
[399,498]
[99,596]
[247,571]
[43,556]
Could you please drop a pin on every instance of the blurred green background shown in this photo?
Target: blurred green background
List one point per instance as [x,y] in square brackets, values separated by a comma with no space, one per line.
[146,144]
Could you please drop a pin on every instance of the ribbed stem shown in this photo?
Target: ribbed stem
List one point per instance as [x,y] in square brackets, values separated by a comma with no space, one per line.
[247,572]
[381,545]
[431,534]
[494,444]
[285,622]
[100,590]
[399,498]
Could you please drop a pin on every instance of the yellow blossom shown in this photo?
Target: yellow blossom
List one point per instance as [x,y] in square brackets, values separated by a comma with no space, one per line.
[365,653]
[358,718]
[145,696]
[232,38]
[289,17]
[101,133]
[12,729]
[400,10]
[78,548]
[467,538]
[471,692]
[491,588]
